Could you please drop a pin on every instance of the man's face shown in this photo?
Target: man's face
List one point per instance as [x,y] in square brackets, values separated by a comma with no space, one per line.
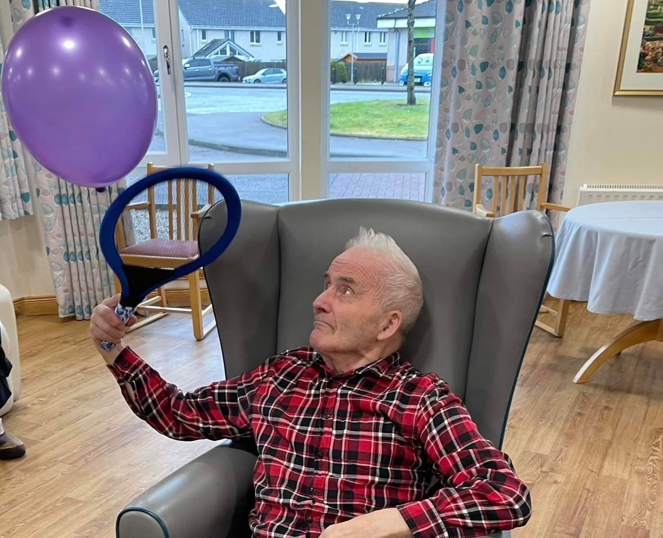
[348,313]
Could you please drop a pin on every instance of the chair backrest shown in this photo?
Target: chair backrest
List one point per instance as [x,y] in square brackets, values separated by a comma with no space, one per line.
[507,193]
[483,282]
[183,200]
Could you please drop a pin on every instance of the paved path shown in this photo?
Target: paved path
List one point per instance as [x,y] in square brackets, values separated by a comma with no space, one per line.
[273,188]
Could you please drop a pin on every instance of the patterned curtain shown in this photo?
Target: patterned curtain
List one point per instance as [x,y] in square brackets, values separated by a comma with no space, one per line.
[15,197]
[71,216]
[510,73]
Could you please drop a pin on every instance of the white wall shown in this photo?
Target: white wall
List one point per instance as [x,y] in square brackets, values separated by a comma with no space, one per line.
[268,49]
[613,139]
[23,263]
[144,39]
[186,36]
[338,49]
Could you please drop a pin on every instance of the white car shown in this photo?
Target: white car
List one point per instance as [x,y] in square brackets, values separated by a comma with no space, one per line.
[271,75]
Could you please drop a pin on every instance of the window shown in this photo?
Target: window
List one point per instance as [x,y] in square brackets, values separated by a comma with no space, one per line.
[279,37]
[367,38]
[203,35]
[154,34]
[344,38]
[255,37]
[383,38]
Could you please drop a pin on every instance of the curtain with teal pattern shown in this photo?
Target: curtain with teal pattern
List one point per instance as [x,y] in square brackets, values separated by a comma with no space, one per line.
[71,217]
[510,71]
[15,196]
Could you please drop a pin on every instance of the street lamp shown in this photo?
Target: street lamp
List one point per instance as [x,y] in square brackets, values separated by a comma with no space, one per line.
[354,27]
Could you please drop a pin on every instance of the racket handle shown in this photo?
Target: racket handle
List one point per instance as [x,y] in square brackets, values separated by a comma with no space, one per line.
[124,313]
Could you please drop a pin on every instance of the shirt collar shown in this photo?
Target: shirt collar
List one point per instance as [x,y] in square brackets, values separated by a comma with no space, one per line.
[379,367]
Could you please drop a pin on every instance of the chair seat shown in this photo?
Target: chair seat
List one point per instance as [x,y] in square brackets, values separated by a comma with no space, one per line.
[164,248]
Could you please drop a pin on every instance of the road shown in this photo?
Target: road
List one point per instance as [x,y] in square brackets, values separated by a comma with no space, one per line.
[224,123]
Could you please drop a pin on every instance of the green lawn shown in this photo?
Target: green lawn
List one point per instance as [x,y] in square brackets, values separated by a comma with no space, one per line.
[381,119]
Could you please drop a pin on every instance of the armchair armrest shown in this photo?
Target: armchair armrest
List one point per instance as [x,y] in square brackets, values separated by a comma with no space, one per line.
[481,210]
[555,207]
[209,497]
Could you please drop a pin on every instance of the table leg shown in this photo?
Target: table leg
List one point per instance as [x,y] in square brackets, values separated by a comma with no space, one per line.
[645,331]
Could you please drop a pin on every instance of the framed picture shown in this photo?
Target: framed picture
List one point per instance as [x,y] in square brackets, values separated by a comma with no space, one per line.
[640,70]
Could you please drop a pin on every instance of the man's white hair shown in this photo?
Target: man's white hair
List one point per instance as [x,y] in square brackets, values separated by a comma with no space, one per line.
[401,284]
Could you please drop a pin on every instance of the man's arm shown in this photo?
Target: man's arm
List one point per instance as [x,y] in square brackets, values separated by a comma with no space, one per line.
[218,411]
[480,492]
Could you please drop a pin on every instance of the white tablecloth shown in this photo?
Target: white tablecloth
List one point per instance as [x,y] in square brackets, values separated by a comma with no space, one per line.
[611,255]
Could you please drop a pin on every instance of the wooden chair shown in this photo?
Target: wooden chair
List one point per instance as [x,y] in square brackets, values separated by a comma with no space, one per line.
[179,248]
[508,197]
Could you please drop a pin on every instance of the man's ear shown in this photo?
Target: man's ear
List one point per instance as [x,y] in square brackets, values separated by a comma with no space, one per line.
[390,323]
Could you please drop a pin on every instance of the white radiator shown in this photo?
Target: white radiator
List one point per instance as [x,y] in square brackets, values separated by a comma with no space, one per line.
[593,193]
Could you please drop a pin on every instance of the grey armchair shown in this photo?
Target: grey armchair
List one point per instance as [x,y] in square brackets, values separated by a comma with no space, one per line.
[483,281]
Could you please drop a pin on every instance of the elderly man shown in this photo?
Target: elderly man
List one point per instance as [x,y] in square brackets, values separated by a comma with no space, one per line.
[349,435]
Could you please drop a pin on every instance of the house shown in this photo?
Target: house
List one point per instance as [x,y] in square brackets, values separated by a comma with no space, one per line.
[256,26]
[137,18]
[354,28]
[223,47]
[261,29]
[255,33]
[424,35]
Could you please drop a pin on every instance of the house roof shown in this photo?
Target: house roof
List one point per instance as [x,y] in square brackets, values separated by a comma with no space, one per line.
[369,14]
[215,44]
[229,14]
[232,14]
[127,12]
[425,10]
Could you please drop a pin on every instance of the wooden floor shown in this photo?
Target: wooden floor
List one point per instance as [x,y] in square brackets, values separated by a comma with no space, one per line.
[591,454]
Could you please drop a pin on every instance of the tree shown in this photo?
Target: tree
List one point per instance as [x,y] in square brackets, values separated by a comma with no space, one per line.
[341,72]
[411,99]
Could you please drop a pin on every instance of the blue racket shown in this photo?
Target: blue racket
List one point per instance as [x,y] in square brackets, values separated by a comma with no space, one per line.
[137,282]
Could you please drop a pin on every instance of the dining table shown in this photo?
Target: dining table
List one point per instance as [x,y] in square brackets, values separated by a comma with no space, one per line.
[610,255]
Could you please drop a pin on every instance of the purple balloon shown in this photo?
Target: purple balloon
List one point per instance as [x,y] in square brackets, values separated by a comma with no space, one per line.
[80,95]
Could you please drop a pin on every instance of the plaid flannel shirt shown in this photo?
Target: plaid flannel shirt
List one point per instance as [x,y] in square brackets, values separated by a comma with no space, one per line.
[332,447]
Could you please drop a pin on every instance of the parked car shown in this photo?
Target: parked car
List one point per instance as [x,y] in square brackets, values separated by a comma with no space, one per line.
[423,70]
[271,75]
[207,69]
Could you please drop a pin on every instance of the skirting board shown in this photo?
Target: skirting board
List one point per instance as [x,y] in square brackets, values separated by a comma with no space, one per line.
[48,306]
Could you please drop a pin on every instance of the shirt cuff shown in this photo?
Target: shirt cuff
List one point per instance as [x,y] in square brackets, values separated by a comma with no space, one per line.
[126,365]
[423,519]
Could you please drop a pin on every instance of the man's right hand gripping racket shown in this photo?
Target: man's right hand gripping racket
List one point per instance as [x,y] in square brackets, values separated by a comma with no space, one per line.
[138,282]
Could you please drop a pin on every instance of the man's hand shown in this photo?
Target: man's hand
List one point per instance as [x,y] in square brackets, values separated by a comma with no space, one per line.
[105,325]
[387,523]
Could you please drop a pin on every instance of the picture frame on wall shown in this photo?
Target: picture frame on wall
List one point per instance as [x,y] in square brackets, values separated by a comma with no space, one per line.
[640,69]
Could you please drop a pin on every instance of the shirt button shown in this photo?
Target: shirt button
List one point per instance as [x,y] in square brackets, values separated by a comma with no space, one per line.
[311,490]
[318,455]
[327,416]
[309,520]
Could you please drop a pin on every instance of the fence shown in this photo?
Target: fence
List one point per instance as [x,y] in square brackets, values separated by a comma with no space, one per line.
[364,72]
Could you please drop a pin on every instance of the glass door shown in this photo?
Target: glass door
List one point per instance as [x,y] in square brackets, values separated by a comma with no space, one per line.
[148,22]
[237,92]
[379,145]
[227,81]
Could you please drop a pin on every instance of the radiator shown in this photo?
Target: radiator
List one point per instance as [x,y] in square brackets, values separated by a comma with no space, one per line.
[593,193]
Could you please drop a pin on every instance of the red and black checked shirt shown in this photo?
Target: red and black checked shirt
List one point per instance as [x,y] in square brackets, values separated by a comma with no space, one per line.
[332,447]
